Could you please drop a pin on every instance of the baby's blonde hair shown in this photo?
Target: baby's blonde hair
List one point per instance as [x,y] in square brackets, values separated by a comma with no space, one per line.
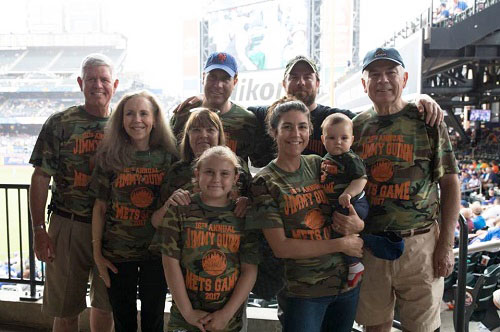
[334,119]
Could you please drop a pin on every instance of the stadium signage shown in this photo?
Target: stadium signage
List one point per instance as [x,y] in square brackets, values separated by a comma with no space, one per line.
[260,87]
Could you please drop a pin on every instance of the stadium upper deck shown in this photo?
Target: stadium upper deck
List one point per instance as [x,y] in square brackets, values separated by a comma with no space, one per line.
[57,60]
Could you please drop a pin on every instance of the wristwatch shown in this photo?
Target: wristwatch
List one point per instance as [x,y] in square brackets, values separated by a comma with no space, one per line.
[40,226]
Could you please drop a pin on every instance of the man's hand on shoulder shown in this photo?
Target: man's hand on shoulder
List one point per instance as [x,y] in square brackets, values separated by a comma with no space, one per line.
[188,103]
[434,115]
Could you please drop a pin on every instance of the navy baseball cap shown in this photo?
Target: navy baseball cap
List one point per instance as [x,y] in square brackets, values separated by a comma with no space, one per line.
[385,245]
[221,60]
[383,53]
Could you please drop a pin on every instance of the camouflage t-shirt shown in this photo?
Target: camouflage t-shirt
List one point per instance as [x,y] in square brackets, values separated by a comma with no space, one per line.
[337,172]
[404,159]
[211,244]
[296,202]
[131,196]
[64,150]
[239,128]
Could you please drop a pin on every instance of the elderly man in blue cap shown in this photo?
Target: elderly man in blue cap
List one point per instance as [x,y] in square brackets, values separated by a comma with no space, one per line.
[413,191]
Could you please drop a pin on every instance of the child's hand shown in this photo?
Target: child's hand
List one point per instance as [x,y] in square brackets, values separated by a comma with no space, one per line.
[195,318]
[217,320]
[345,200]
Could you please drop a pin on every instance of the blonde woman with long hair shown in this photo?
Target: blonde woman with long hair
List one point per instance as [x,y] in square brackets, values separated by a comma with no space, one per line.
[135,155]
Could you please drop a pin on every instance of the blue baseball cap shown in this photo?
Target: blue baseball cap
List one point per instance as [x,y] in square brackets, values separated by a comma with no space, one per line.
[221,60]
[385,245]
[383,53]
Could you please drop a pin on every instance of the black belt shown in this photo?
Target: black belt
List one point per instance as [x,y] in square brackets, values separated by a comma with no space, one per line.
[415,231]
[72,216]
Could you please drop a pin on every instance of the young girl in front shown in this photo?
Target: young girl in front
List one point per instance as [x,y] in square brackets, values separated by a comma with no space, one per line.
[210,261]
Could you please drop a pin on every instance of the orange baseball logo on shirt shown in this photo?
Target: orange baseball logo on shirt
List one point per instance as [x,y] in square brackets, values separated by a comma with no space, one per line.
[382,170]
[141,197]
[314,219]
[214,262]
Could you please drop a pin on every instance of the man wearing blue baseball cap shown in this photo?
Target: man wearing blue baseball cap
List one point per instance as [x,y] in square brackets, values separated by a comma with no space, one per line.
[220,76]
[414,193]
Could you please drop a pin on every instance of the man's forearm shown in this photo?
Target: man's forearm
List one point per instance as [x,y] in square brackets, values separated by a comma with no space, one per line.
[450,205]
[38,196]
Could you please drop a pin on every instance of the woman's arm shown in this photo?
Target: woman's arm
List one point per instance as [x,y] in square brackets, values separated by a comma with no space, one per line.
[284,247]
[103,264]
[177,286]
[178,197]
[218,320]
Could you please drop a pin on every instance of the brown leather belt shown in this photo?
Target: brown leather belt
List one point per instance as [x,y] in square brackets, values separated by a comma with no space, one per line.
[415,231]
[72,216]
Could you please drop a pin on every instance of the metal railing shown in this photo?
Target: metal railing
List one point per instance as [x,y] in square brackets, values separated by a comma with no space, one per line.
[15,203]
[23,220]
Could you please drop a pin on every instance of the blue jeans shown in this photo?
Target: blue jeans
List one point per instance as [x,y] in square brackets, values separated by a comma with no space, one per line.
[150,278]
[321,314]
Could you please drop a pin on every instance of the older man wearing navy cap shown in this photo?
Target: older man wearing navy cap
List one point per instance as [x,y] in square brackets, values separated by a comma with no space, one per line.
[413,191]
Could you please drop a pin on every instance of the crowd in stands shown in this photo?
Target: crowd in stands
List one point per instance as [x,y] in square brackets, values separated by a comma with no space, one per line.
[480,186]
[33,107]
[19,142]
[13,270]
[449,9]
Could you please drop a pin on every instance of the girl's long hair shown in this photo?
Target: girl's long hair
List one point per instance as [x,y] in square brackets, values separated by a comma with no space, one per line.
[116,151]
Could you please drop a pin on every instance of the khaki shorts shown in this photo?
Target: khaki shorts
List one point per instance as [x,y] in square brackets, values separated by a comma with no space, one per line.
[408,281]
[66,278]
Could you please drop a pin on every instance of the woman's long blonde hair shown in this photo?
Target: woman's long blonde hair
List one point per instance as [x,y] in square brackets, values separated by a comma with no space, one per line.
[116,150]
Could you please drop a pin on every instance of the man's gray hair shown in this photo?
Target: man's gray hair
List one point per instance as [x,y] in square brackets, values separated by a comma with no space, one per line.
[97,59]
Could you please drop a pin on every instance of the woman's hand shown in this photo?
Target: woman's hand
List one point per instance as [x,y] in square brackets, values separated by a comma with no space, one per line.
[353,245]
[179,197]
[103,265]
[350,224]
[241,206]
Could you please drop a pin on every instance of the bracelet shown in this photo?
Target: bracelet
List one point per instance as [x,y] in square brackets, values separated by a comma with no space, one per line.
[96,240]
[37,227]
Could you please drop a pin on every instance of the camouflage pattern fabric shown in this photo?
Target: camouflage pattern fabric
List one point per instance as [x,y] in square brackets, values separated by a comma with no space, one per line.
[337,172]
[404,159]
[181,176]
[131,195]
[239,127]
[64,150]
[297,203]
[211,244]
[266,147]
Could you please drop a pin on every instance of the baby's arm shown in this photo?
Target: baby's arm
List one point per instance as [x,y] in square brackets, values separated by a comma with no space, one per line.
[354,188]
